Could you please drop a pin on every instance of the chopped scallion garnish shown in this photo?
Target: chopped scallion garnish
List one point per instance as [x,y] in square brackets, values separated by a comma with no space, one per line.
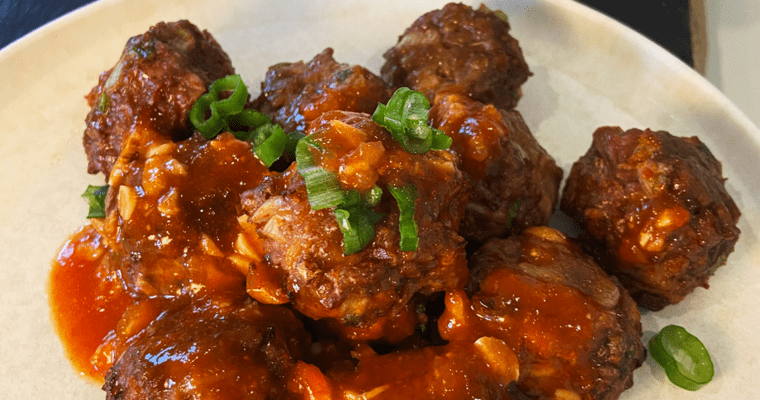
[293,138]
[269,140]
[357,224]
[242,123]
[405,117]
[353,212]
[235,103]
[96,198]
[405,197]
[322,186]
[373,196]
[211,126]
[683,356]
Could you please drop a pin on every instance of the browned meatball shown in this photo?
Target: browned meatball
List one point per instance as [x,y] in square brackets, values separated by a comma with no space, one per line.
[483,369]
[155,82]
[459,50]
[515,183]
[306,264]
[172,213]
[206,349]
[654,211]
[576,332]
[294,94]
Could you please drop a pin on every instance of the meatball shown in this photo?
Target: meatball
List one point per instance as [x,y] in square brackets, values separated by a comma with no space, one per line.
[172,214]
[576,331]
[306,263]
[484,369]
[206,349]
[459,50]
[155,82]
[654,211]
[293,94]
[515,183]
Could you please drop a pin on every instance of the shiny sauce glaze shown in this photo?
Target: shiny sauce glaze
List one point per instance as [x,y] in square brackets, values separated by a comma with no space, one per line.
[86,300]
[304,247]
[476,130]
[173,213]
[171,228]
[549,326]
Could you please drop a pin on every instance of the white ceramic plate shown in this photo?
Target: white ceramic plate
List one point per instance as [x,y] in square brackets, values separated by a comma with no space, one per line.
[588,71]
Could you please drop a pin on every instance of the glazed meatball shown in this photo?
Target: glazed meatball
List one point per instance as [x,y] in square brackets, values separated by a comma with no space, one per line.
[155,82]
[515,183]
[484,369]
[206,349]
[654,211]
[306,263]
[172,214]
[293,94]
[459,50]
[577,332]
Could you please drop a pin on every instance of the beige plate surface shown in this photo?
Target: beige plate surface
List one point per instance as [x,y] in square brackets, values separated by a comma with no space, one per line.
[588,71]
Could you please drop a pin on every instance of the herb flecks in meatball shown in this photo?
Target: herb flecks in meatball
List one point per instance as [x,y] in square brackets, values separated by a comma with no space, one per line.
[654,210]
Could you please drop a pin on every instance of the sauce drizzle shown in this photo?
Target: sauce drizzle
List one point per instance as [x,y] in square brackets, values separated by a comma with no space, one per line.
[86,300]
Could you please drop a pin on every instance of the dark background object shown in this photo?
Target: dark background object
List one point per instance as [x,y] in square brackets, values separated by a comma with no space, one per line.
[18,17]
[665,22]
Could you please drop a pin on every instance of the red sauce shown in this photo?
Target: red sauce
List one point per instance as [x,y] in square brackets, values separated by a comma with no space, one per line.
[549,326]
[476,130]
[86,301]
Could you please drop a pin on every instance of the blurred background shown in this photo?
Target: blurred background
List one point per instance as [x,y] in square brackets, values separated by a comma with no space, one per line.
[718,38]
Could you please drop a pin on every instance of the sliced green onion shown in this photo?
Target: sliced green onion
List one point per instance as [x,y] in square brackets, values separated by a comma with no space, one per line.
[683,356]
[353,211]
[358,227]
[245,122]
[405,197]
[208,127]
[235,103]
[96,198]
[405,117]
[373,196]
[269,142]
[218,109]
[293,138]
[322,186]
[441,142]
[352,198]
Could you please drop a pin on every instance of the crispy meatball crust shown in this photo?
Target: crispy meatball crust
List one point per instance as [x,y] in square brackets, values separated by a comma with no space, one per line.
[459,50]
[156,81]
[576,331]
[304,247]
[293,94]
[654,210]
[515,182]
